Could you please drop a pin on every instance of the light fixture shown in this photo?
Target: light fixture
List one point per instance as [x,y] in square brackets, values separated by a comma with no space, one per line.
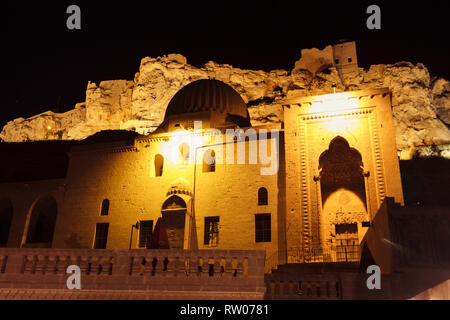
[131,236]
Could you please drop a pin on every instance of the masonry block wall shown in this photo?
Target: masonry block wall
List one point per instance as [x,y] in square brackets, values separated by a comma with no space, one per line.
[364,120]
[125,175]
[120,274]
[345,58]
[327,140]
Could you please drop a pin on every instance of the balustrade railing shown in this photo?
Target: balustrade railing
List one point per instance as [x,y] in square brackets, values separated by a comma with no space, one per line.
[303,286]
[216,270]
[349,253]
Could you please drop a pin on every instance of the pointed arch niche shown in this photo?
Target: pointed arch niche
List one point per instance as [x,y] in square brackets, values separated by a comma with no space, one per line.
[344,206]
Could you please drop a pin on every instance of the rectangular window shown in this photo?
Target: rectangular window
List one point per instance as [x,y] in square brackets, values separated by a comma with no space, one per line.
[262,227]
[211,237]
[101,235]
[145,233]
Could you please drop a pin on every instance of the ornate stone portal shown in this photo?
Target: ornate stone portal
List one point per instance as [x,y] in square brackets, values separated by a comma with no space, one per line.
[341,162]
[344,205]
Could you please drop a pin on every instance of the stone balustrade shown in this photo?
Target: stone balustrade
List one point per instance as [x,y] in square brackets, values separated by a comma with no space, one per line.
[343,285]
[302,286]
[216,271]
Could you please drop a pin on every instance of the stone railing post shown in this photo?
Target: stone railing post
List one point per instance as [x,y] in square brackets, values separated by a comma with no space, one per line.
[14,263]
[122,264]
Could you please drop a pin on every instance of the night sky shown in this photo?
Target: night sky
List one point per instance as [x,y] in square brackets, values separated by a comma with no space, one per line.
[48,66]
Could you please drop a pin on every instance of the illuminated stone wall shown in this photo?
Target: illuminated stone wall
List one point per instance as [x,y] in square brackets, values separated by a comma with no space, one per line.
[364,120]
[126,176]
[304,202]
[345,59]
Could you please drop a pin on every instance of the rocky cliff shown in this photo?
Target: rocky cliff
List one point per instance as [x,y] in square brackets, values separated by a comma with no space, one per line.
[420,104]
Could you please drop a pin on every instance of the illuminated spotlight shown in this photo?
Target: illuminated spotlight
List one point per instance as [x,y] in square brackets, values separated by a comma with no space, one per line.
[49,127]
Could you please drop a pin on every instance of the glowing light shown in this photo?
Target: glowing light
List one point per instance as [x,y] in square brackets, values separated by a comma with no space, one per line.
[338,125]
[339,111]
[172,150]
[49,127]
[336,101]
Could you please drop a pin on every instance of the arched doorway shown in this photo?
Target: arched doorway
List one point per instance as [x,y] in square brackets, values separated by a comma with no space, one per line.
[41,224]
[173,212]
[6,215]
[343,194]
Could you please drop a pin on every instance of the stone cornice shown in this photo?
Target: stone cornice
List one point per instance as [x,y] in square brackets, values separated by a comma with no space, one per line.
[308,100]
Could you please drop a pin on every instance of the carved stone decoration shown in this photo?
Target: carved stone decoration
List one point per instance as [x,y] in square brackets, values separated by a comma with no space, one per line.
[341,167]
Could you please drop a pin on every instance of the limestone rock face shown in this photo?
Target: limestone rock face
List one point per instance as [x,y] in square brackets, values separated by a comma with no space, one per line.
[420,105]
[441,100]
[107,106]
[44,126]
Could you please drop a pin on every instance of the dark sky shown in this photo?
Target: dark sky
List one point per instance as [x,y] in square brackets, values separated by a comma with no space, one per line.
[47,67]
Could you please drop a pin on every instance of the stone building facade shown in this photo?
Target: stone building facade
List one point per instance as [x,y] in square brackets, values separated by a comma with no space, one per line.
[304,190]
[341,162]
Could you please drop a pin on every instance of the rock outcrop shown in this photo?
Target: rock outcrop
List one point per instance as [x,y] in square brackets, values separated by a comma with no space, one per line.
[420,104]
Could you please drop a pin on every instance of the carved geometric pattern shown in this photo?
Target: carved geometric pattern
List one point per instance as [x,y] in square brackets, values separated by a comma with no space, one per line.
[378,159]
[123,149]
[306,217]
[322,116]
[304,188]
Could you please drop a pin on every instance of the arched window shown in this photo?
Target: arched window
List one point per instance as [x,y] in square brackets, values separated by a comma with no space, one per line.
[184,153]
[105,207]
[262,197]
[209,161]
[159,164]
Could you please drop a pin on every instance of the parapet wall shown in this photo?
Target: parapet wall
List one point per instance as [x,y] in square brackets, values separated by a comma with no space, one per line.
[135,274]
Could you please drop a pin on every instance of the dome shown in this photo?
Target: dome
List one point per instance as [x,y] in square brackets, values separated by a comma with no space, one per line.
[207,95]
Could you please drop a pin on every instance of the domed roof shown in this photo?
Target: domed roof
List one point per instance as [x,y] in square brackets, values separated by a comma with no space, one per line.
[207,95]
